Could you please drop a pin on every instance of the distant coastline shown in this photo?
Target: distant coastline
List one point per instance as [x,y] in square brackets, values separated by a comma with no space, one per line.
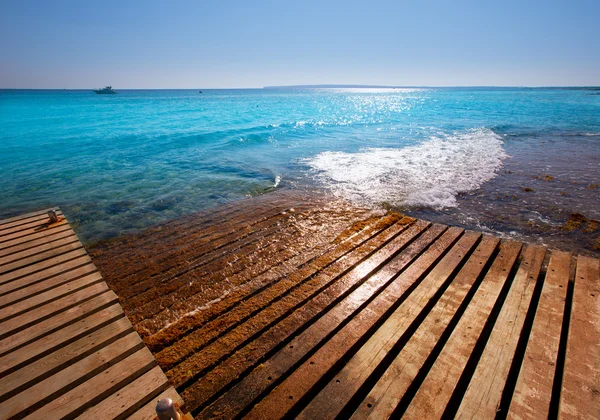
[335,86]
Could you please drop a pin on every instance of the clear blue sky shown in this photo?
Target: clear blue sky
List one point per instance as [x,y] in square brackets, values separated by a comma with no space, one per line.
[211,44]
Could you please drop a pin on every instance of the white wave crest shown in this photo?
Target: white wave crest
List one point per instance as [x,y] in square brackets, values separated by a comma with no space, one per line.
[429,174]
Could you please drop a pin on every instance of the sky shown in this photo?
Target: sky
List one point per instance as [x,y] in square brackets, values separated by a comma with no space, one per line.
[245,44]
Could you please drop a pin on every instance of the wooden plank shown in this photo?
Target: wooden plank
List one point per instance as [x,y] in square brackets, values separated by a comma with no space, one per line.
[389,389]
[299,382]
[59,329]
[346,274]
[62,248]
[148,412]
[580,394]
[96,388]
[337,393]
[23,321]
[483,395]
[61,358]
[533,390]
[434,393]
[319,273]
[29,229]
[130,398]
[45,274]
[48,390]
[23,251]
[41,266]
[32,240]
[36,215]
[281,275]
[33,302]
[42,286]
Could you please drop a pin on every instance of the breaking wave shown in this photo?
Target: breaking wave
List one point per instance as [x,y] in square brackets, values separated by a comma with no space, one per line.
[429,174]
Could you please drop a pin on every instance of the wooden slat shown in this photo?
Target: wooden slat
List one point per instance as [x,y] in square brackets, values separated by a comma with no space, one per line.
[34,239]
[299,346]
[45,274]
[434,393]
[130,398]
[19,322]
[45,285]
[533,391]
[483,395]
[29,229]
[66,349]
[24,252]
[148,412]
[580,395]
[50,388]
[389,389]
[37,268]
[96,388]
[63,247]
[332,399]
[35,301]
[328,272]
[64,356]
[57,330]
[17,219]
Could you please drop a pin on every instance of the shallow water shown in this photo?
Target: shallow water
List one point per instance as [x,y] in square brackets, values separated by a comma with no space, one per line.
[121,163]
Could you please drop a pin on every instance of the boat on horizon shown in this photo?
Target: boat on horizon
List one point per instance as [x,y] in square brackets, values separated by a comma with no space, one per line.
[106,90]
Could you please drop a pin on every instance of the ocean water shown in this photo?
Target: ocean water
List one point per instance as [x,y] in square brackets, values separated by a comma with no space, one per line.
[515,161]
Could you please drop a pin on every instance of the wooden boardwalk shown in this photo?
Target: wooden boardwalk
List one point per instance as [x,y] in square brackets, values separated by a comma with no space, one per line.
[256,313]
[66,348]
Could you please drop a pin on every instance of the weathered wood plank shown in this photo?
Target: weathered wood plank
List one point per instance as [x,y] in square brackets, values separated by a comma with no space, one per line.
[27,319]
[148,412]
[44,285]
[434,393]
[389,389]
[64,356]
[483,395]
[29,229]
[332,399]
[129,398]
[71,244]
[45,274]
[310,372]
[533,390]
[35,239]
[580,395]
[275,367]
[49,390]
[94,390]
[346,277]
[38,215]
[35,301]
[304,277]
[65,345]
[41,266]
[278,270]
[57,330]
[29,253]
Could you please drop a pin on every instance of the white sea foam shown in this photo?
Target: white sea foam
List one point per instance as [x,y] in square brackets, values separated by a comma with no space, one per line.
[429,174]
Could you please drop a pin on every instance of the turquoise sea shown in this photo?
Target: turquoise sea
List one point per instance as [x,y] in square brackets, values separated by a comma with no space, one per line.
[120,163]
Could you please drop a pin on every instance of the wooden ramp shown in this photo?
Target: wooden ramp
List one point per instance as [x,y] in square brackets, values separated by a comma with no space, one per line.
[393,317]
[66,348]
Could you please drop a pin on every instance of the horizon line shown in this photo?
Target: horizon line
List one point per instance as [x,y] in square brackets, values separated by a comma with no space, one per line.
[322,86]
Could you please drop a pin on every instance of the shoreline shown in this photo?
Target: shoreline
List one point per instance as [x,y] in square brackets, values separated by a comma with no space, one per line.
[510,218]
